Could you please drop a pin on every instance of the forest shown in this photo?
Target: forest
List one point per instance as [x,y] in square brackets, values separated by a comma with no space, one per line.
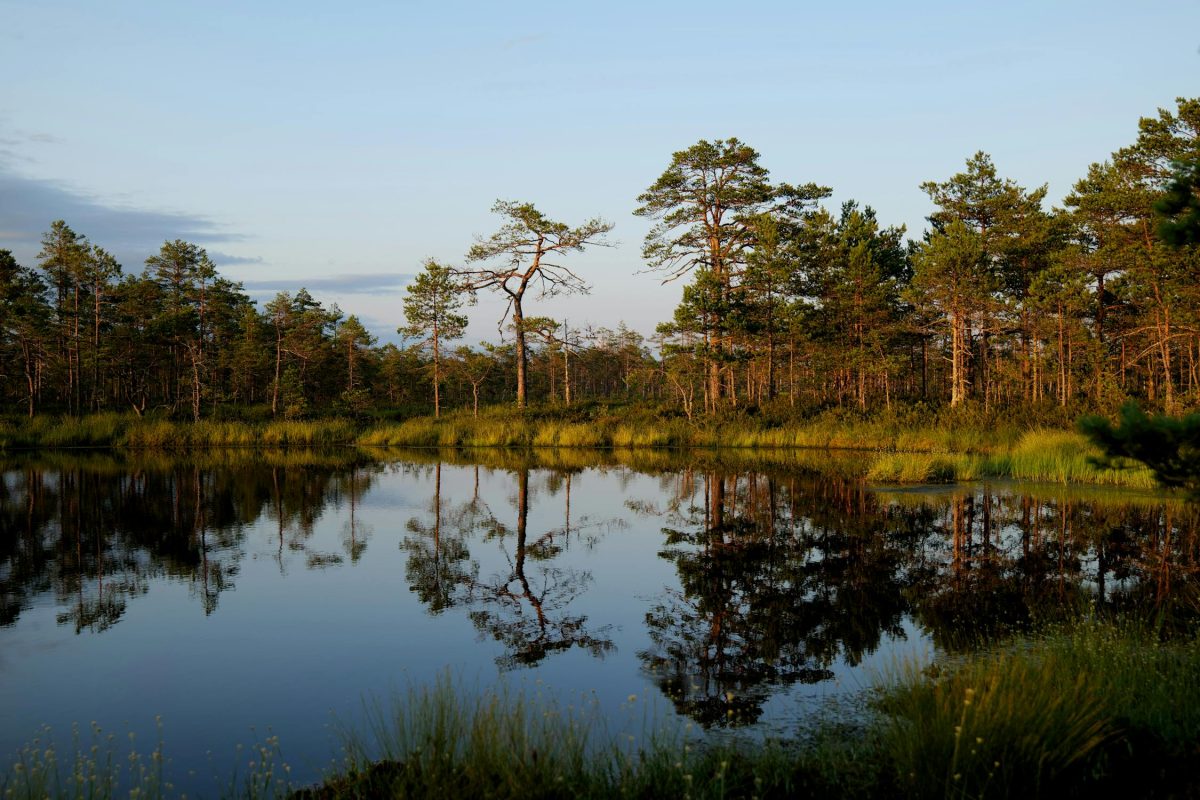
[1001,304]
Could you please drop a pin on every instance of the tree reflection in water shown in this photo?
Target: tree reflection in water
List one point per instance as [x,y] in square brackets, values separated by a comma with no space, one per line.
[783,578]
[781,574]
[772,590]
[525,607]
[97,530]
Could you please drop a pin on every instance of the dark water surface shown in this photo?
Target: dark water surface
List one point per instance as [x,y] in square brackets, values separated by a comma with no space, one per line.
[240,594]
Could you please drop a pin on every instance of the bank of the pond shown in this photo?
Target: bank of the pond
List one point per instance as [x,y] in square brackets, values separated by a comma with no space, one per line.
[901,450]
[1070,712]
[1097,708]
[133,432]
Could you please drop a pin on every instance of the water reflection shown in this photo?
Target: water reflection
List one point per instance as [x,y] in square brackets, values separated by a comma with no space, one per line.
[778,579]
[779,574]
[96,532]
[526,606]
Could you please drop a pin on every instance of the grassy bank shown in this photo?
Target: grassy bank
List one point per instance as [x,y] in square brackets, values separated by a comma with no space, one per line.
[1046,456]
[1069,712]
[922,453]
[585,425]
[636,426]
[914,447]
[131,431]
[1100,708]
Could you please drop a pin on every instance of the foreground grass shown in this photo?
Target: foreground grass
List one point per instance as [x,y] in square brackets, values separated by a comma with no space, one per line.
[439,743]
[1069,712]
[1099,709]
[1100,706]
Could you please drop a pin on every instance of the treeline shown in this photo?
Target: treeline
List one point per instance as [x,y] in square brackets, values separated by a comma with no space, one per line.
[1002,302]
[79,335]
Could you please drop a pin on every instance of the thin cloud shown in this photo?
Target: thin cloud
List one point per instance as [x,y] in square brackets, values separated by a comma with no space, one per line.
[29,205]
[362,283]
[521,41]
[227,260]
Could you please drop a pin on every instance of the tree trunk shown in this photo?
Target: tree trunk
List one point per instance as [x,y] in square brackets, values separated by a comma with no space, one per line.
[956,359]
[566,368]
[437,375]
[522,353]
[278,364]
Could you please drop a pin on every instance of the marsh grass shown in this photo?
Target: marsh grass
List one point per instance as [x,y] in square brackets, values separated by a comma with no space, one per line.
[444,741]
[46,431]
[1065,712]
[907,448]
[102,766]
[1047,714]
[921,468]
[1004,725]
[1097,708]
[149,433]
[1044,456]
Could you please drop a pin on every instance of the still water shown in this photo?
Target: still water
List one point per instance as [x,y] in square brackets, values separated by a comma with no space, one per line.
[237,595]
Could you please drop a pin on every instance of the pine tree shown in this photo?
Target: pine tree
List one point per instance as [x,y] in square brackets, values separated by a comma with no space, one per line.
[431,307]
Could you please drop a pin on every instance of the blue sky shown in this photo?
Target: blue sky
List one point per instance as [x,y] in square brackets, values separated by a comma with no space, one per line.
[336,146]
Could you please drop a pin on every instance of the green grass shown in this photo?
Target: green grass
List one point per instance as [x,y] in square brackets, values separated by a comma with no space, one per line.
[1044,456]
[922,468]
[133,432]
[631,427]
[1005,724]
[1068,712]
[917,446]
[446,742]
[1045,715]
[1096,709]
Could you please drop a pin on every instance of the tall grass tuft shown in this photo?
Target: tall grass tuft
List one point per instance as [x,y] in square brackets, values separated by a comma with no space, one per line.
[443,742]
[1068,457]
[1049,456]
[1045,714]
[915,468]
[307,433]
[1005,725]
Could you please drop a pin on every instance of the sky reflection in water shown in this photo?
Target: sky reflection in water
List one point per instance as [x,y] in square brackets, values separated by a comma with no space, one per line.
[240,595]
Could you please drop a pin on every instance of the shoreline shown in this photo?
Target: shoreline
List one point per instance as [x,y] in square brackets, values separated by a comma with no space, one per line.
[894,453]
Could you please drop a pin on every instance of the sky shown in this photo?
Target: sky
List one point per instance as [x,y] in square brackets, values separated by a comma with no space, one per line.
[336,146]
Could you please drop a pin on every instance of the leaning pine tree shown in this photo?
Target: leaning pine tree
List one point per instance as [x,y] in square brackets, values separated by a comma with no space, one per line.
[431,310]
[527,252]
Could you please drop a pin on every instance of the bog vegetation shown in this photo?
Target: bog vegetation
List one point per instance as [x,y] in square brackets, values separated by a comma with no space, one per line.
[1104,706]
[787,305]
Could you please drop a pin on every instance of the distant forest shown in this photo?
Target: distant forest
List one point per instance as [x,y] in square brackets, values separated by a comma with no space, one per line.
[786,304]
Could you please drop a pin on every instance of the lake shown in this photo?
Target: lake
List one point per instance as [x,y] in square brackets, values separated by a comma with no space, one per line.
[230,596]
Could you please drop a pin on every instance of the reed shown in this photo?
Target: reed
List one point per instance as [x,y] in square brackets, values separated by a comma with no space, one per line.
[445,741]
[1007,724]
[1088,704]
[916,468]
[915,447]
[1049,456]
[1100,708]
[1068,457]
